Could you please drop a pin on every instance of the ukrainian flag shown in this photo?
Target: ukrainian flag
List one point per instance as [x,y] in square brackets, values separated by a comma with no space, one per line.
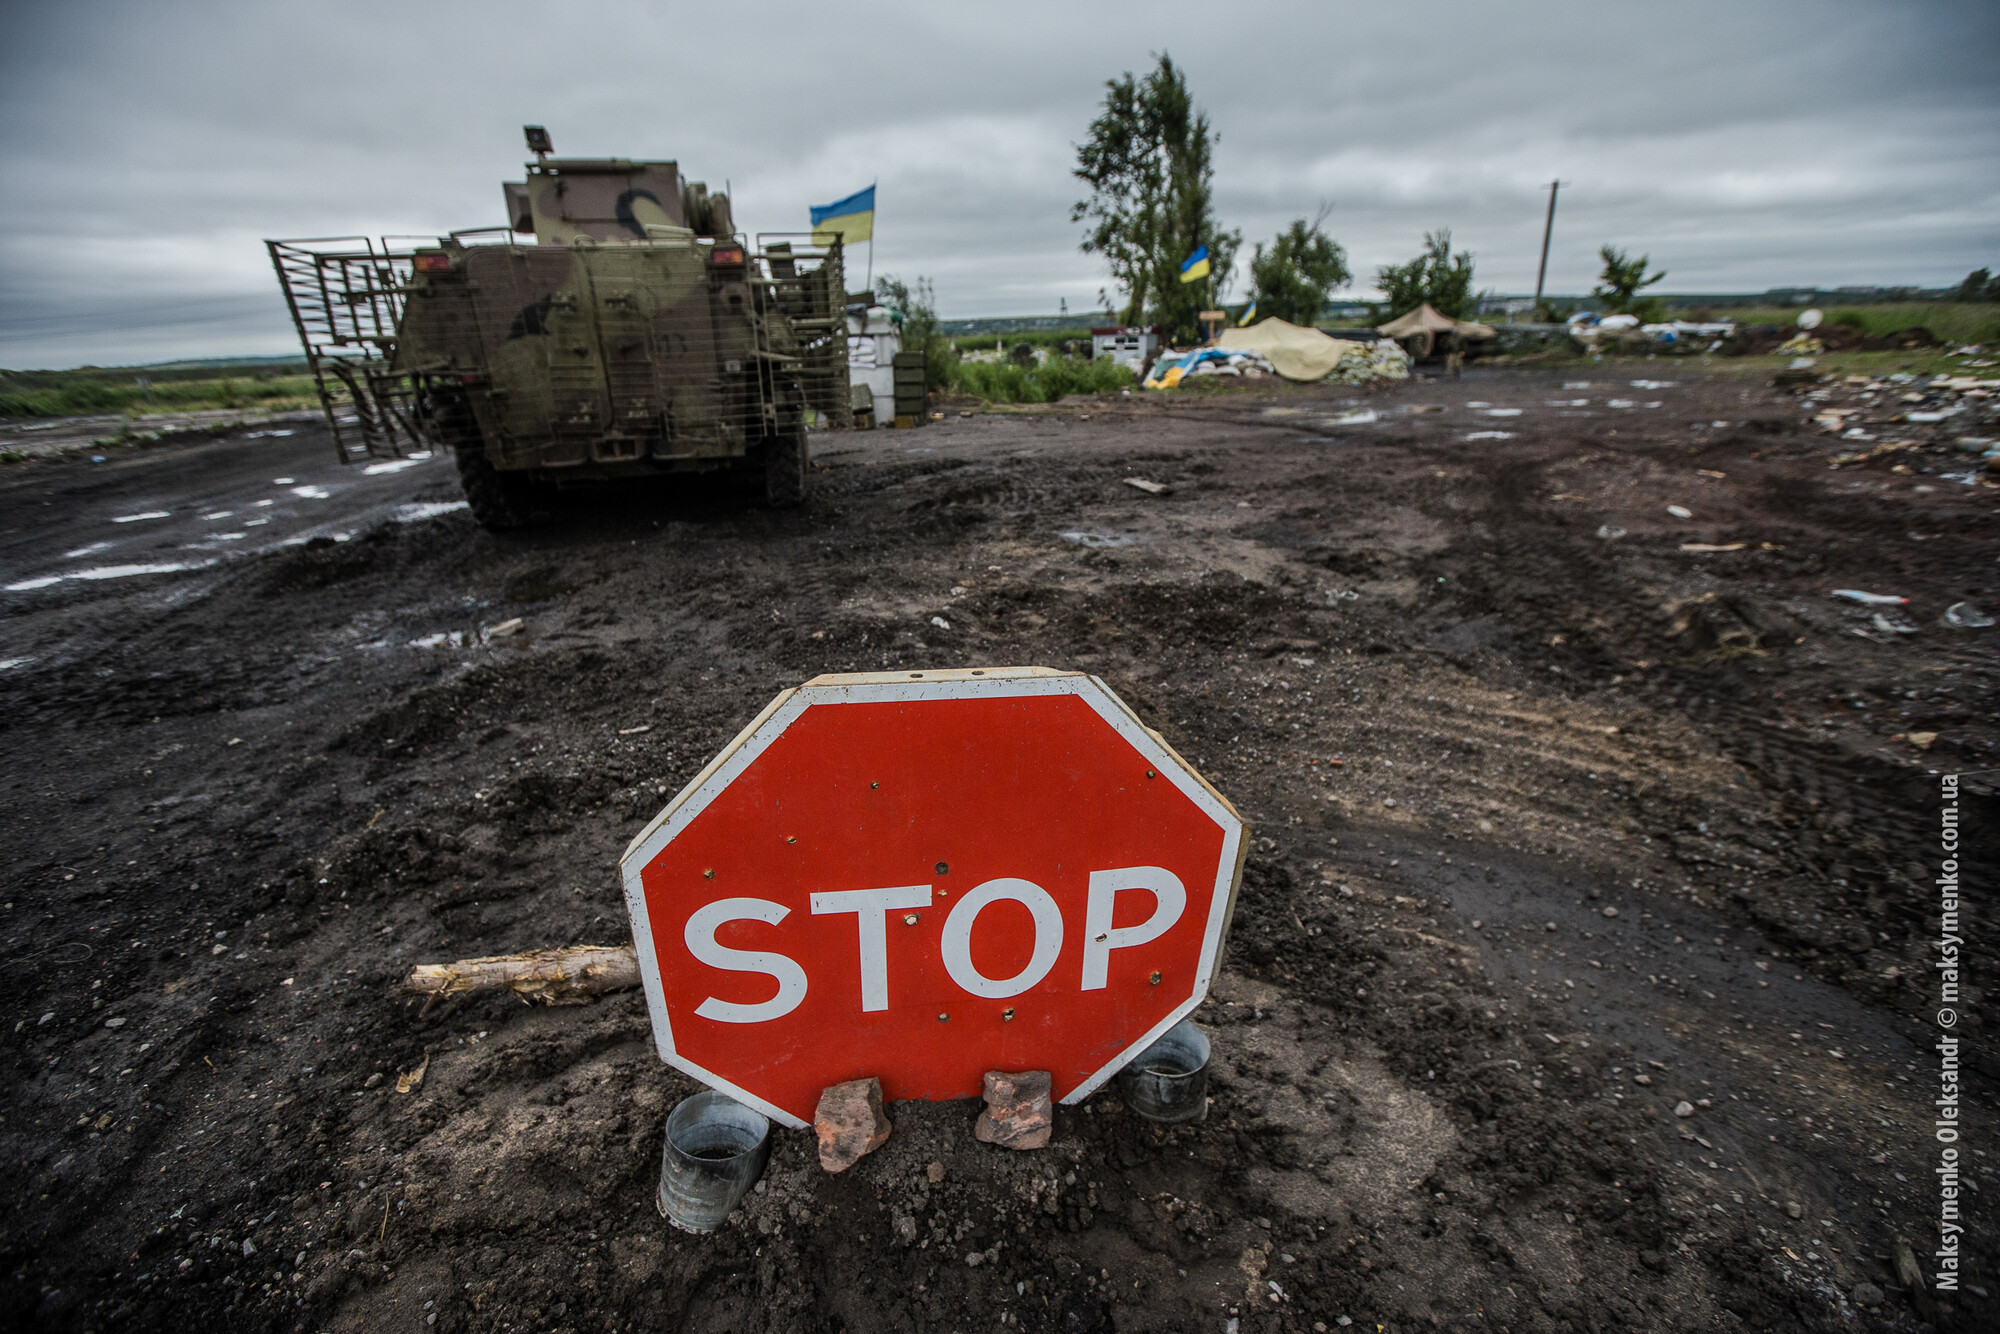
[1249,314]
[851,219]
[1195,266]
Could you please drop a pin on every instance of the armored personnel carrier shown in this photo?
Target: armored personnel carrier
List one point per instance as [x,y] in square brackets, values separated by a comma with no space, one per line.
[638,335]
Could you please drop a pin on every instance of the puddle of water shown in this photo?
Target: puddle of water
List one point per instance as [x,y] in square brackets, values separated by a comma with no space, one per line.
[106,572]
[259,435]
[393,465]
[149,514]
[1096,539]
[1490,435]
[127,571]
[1569,402]
[283,481]
[252,523]
[1618,403]
[91,550]
[218,514]
[1503,412]
[9,664]
[262,503]
[441,639]
[312,492]
[430,509]
[1654,384]
[1364,417]
[230,537]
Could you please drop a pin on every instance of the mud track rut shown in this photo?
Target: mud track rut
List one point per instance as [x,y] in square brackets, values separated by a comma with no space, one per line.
[254,803]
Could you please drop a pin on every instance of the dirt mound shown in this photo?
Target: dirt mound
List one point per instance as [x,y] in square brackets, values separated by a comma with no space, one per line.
[1568,810]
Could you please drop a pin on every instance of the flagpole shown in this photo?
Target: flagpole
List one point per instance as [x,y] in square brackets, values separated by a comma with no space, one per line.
[871,237]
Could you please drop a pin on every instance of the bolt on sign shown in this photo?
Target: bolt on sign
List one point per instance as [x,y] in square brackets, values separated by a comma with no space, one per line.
[923,876]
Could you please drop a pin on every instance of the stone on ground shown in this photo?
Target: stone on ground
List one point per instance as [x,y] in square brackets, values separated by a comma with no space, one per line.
[850,1123]
[1018,1112]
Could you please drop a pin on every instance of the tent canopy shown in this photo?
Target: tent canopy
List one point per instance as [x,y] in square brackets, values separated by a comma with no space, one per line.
[1295,353]
[1426,319]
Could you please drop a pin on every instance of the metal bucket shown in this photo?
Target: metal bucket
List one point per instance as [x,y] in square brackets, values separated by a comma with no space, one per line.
[1168,1082]
[716,1149]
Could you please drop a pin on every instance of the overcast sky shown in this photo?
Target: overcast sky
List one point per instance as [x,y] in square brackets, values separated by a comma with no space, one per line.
[150,147]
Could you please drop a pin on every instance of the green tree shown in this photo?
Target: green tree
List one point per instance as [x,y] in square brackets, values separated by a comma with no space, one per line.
[1622,281]
[917,304]
[1294,277]
[1979,285]
[1149,164]
[1437,277]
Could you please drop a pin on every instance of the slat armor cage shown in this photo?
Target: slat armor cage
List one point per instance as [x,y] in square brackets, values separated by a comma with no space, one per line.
[346,298]
[582,356]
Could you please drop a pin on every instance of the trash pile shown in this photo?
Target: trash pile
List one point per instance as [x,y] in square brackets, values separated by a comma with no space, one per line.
[1175,367]
[1939,425]
[1595,334]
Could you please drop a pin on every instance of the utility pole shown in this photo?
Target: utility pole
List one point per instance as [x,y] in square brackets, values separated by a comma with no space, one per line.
[1548,226]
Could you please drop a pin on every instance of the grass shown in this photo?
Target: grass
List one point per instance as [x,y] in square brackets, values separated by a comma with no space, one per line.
[1952,321]
[92,391]
[1005,382]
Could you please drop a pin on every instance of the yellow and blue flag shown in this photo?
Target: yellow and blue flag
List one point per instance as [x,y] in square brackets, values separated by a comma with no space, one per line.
[1249,314]
[851,219]
[1195,266]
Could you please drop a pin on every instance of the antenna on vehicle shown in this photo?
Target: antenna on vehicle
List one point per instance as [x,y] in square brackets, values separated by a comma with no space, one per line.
[538,142]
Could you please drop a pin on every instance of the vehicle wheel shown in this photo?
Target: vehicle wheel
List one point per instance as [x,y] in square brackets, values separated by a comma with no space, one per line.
[499,500]
[786,461]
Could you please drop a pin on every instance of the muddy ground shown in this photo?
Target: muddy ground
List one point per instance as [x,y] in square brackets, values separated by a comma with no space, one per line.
[1554,831]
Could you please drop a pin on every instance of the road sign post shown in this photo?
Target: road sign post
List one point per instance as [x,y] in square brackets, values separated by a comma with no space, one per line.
[923,876]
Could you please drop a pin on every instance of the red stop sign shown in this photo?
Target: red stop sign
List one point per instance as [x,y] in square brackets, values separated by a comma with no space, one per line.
[924,876]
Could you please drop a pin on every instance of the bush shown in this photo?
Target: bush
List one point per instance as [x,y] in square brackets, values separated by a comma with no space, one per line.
[1004,382]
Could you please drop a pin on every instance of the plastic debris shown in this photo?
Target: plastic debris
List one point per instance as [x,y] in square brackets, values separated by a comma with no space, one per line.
[1870,599]
[1965,616]
[1150,488]
[1680,511]
[408,1082]
[1610,532]
[1889,626]
[1711,546]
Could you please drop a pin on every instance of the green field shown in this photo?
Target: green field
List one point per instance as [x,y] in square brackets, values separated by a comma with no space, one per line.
[1951,321]
[94,390]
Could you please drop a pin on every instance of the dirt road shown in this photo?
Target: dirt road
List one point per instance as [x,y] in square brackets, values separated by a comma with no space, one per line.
[1570,809]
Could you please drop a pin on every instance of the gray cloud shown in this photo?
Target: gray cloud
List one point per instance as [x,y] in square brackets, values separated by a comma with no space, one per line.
[151,148]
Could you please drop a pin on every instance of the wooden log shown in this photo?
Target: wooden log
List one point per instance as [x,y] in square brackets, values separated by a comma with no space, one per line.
[554,977]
